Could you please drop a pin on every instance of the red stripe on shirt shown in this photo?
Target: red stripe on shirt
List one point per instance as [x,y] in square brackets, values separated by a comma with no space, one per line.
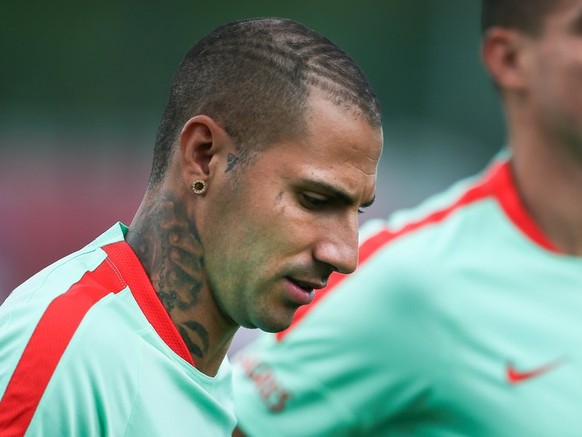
[497,182]
[504,189]
[47,344]
[123,256]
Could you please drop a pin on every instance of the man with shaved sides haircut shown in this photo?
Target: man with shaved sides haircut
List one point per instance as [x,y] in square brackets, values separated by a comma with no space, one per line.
[464,316]
[266,152]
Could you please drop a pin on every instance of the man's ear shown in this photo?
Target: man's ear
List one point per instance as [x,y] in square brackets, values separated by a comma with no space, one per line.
[202,140]
[504,53]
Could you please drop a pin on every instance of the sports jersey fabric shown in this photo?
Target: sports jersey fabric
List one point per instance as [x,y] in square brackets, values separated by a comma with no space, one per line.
[462,320]
[87,349]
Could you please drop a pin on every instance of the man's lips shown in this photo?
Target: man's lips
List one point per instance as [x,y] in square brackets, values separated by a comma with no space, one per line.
[302,291]
[308,285]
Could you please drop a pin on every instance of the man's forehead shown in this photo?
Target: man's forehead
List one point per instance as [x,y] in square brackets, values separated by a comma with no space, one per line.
[346,100]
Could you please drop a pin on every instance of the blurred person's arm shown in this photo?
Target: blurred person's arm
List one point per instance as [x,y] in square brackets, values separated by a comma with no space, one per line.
[360,357]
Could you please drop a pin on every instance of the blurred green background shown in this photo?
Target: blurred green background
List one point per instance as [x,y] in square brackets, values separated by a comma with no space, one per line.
[83,84]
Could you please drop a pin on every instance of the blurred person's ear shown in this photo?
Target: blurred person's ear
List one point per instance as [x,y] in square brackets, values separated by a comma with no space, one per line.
[505,53]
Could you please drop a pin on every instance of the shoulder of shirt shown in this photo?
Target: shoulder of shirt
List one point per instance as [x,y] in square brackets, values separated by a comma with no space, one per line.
[431,220]
[112,235]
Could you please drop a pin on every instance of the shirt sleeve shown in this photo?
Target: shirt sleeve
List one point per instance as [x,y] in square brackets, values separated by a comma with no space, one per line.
[366,357]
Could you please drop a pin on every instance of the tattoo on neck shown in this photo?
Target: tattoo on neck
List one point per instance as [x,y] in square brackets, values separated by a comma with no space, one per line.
[232,162]
[195,349]
[170,249]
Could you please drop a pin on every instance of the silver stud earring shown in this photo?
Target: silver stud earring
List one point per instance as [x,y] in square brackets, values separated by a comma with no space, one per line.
[198,186]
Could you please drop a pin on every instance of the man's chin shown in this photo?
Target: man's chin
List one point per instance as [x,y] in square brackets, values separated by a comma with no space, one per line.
[272,324]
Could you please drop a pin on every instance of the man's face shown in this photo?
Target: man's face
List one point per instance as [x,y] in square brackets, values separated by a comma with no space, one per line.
[556,72]
[287,220]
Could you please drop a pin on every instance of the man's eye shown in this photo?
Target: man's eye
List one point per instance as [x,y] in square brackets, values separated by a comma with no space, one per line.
[313,201]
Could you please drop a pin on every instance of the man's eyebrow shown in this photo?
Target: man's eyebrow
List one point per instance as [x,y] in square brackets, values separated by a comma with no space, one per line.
[340,194]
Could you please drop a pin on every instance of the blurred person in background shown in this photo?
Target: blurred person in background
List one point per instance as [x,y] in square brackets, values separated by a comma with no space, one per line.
[464,317]
[266,152]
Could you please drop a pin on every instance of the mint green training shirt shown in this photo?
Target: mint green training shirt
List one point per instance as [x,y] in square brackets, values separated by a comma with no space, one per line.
[462,320]
[87,349]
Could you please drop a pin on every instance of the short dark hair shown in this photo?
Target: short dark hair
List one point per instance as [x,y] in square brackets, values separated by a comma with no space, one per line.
[524,15]
[253,77]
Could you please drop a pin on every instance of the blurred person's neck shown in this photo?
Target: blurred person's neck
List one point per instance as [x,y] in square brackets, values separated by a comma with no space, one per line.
[548,175]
